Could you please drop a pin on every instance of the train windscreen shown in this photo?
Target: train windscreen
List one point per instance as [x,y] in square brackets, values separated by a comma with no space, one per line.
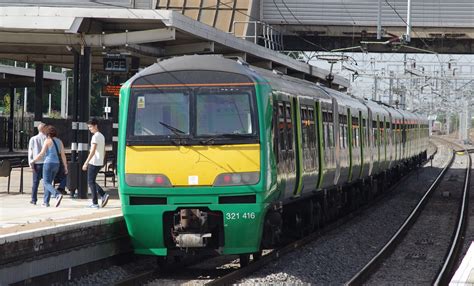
[194,112]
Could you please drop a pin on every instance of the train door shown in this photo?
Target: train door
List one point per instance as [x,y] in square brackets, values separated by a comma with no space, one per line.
[370,142]
[328,156]
[309,145]
[395,140]
[388,135]
[383,141]
[297,148]
[375,131]
[404,139]
[284,146]
[337,148]
[355,151]
[344,161]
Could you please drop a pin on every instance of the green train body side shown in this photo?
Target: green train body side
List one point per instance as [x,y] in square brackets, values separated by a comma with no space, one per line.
[241,234]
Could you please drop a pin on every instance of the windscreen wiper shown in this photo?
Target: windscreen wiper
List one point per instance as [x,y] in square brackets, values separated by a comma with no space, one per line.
[225,135]
[175,130]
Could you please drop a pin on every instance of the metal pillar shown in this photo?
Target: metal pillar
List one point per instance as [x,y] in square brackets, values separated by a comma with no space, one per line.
[115,113]
[64,94]
[10,120]
[374,95]
[379,21]
[83,117]
[390,90]
[73,166]
[38,94]
[408,33]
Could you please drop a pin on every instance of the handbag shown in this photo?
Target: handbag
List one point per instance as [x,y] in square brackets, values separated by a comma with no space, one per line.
[60,175]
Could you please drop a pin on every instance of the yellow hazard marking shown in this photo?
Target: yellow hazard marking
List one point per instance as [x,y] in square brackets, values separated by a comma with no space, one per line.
[203,163]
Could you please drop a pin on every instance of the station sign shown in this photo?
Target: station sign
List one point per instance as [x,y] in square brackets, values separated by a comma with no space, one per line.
[115,64]
[111,90]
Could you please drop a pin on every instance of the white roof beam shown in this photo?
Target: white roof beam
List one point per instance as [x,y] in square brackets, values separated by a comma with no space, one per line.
[103,40]
[204,47]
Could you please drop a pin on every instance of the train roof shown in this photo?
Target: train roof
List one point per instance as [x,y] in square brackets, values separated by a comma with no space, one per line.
[277,80]
[376,107]
[346,100]
[195,62]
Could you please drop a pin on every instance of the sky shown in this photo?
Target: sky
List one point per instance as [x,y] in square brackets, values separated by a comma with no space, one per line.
[431,82]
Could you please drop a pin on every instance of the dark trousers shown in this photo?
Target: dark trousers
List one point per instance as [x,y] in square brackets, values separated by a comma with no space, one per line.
[92,172]
[37,176]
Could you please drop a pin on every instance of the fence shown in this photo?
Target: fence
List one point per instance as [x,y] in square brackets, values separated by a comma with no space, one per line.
[23,129]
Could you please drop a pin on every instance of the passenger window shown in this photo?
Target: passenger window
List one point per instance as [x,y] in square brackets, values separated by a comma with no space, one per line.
[276,132]
[355,132]
[331,142]
[281,126]
[324,129]
[374,133]
[312,127]
[362,133]
[289,126]
[304,129]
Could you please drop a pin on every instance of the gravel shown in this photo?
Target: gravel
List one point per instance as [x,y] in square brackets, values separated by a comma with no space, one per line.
[337,256]
[334,258]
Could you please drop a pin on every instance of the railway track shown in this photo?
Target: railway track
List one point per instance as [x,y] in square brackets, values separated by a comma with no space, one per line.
[226,274]
[413,255]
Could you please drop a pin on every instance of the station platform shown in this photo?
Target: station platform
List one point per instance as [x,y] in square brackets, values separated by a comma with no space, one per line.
[464,275]
[36,240]
[18,215]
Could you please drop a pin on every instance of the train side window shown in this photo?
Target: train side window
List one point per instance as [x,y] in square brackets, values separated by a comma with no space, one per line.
[330,141]
[382,134]
[311,128]
[394,132]
[362,133]
[343,131]
[276,132]
[281,126]
[355,132]
[289,126]
[404,133]
[374,133]
[304,129]
[369,143]
[323,124]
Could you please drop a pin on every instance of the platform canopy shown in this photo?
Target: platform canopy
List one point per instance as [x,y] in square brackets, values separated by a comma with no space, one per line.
[23,77]
[49,34]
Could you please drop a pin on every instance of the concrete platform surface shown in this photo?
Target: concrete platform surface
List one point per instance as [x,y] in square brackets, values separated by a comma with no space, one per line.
[17,215]
[465,273]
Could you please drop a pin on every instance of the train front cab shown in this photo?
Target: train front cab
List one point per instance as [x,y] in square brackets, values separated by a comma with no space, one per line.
[191,178]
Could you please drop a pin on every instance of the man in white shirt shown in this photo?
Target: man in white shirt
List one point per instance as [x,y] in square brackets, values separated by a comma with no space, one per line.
[94,162]
[34,148]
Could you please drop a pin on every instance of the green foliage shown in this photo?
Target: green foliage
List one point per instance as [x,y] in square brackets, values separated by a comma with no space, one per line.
[55,114]
[6,102]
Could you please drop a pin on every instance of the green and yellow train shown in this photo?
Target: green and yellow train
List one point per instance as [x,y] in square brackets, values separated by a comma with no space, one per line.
[218,156]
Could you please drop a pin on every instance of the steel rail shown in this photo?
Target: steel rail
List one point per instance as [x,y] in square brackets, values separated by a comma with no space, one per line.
[452,256]
[266,259]
[360,277]
[230,278]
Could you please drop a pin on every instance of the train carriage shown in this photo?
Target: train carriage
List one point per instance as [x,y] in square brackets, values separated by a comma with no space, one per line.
[351,147]
[218,156]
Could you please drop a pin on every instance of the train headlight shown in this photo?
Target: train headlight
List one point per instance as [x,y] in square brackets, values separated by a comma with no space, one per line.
[237,179]
[147,180]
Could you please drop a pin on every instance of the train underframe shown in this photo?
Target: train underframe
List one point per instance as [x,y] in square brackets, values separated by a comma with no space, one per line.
[200,230]
[299,217]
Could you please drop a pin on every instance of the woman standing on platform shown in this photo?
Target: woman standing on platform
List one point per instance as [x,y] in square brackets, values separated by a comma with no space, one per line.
[52,149]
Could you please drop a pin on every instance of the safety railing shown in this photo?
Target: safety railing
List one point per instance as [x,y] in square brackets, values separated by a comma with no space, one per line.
[263,34]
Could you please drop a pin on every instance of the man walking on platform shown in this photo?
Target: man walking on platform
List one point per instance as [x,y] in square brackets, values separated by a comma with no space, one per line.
[34,148]
[94,163]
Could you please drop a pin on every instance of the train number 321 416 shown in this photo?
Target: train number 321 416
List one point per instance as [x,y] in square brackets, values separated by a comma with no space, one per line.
[246,215]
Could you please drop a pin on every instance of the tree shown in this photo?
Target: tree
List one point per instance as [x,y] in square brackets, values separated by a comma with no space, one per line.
[6,103]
